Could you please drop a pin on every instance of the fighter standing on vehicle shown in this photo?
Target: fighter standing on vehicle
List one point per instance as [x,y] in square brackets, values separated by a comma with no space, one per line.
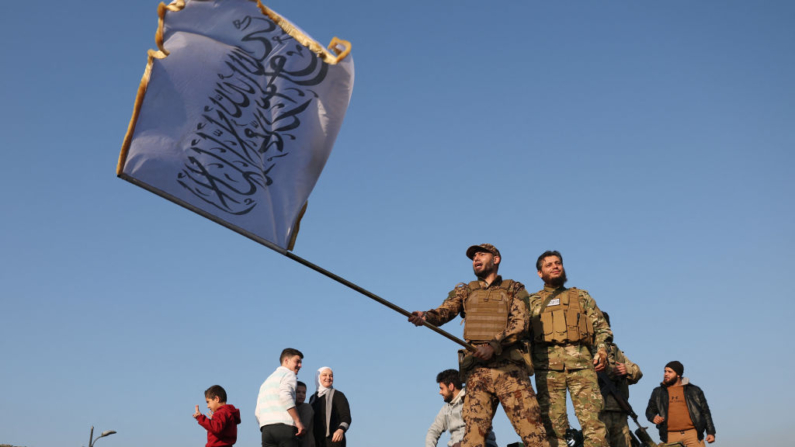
[496,320]
[570,338]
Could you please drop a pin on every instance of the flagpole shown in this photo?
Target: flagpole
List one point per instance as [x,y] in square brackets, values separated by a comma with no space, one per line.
[290,255]
[372,296]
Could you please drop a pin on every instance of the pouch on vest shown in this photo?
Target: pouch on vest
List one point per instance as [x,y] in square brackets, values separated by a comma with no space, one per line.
[560,330]
[540,333]
[573,324]
[564,322]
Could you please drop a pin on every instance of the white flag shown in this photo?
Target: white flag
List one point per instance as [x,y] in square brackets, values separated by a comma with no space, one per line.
[236,115]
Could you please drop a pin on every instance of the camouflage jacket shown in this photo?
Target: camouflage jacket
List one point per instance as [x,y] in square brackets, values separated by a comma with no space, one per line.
[634,374]
[518,318]
[557,357]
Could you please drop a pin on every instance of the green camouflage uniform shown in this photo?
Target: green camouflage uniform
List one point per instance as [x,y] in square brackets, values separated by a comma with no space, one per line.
[615,418]
[503,379]
[570,365]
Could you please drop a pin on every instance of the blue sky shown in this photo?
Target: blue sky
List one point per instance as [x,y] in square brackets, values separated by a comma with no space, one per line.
[650,142]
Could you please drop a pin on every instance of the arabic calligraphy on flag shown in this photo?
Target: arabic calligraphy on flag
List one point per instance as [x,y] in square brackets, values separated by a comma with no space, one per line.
[236,115]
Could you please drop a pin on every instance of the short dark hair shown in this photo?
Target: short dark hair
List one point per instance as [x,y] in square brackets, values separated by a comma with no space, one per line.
[216,391]
[289,352]
[299,383]
[547,254]
[449,376]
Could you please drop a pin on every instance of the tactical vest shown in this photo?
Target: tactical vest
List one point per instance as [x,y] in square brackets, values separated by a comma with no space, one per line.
[486,311]
[564,322]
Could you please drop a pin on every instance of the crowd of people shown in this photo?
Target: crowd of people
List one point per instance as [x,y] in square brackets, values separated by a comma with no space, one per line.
[558,334]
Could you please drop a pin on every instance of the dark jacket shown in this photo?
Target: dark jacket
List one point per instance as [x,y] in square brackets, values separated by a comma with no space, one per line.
[696,406]
[340,417]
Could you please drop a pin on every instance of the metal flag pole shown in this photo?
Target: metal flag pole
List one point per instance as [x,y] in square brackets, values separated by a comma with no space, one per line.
[368,294]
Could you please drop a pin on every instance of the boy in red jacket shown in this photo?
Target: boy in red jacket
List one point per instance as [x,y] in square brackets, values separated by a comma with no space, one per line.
[222,425]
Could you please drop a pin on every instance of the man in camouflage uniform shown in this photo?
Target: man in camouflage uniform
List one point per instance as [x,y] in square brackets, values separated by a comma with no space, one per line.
[623,373]
[496,320]
[570,338]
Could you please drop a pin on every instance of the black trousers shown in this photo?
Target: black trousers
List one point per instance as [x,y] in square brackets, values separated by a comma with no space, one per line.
[279,435]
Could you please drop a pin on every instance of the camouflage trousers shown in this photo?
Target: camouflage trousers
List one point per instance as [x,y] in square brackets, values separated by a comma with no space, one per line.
[618,433]
[586,398]
[507,384]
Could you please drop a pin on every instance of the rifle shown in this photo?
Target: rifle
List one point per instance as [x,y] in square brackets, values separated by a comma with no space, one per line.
[645,439]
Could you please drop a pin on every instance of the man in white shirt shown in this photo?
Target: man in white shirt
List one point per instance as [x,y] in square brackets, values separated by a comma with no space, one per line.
[278,419]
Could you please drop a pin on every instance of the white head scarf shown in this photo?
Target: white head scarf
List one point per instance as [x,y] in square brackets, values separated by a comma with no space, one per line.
[321,390]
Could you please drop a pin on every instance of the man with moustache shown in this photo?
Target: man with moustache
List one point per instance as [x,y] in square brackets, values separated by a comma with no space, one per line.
[680,410]
[570,337]
[495,313]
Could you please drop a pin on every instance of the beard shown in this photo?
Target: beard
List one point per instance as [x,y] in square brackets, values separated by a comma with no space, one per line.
[670,382]
[487,270]
[556,282]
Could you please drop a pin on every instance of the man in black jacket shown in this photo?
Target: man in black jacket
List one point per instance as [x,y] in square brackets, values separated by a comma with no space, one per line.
[680,409]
